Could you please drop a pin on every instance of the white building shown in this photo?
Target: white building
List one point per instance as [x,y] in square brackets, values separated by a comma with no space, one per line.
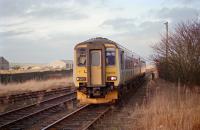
[4,64]
[62,64]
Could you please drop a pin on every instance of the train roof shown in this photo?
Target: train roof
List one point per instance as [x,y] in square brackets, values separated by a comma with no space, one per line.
[98,40]
[105,40]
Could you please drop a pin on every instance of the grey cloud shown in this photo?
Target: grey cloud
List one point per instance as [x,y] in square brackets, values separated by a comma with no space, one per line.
[11,8]
[13,24]
[177,14]
[151,26]
[57,13]
[119,24]
[126,26]
[46,8]
[187,1]
[89,2]
[11,33]
[145,31]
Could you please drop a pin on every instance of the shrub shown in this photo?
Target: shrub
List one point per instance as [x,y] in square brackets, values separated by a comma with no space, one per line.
[182,61]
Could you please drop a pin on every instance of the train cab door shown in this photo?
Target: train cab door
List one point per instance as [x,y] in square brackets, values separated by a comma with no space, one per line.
[96,67]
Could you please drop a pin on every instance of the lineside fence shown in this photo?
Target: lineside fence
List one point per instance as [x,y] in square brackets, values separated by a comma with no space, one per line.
[44,75]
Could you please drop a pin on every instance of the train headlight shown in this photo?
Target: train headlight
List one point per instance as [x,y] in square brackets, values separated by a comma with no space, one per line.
[112,78]
[81,78]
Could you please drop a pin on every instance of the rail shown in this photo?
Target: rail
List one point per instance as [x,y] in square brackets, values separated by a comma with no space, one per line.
[13,118]
[82,118]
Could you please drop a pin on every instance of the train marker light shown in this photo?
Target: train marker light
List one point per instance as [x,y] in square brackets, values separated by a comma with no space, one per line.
[81,78]
[112,78]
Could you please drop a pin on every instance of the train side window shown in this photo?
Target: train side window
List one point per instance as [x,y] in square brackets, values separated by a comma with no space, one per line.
[81,57]
[110,56]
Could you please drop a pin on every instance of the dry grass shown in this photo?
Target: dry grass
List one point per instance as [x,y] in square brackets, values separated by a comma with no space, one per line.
[33,85]
[168,107]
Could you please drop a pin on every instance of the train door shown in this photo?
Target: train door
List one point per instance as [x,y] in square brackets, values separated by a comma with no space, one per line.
[96,67]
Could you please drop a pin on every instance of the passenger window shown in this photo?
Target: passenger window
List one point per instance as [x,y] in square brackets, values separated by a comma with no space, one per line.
[81,57]
[110,56]
[95,58]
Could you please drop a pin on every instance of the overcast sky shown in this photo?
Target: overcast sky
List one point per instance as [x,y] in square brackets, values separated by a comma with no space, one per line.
[41,31]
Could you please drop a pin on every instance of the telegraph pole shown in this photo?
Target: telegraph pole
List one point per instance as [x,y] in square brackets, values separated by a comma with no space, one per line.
[166,40]
[166,50]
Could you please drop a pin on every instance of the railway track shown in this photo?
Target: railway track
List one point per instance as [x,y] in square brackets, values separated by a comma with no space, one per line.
[31,95]
[85,117]
[21,117]
[81,119]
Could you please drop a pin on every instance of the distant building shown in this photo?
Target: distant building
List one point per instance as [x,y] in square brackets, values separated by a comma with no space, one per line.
[69,64]
[4,64]
[62,64]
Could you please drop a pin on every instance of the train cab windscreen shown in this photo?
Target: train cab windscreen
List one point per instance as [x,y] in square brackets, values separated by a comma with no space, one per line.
[110,56]
[81,55]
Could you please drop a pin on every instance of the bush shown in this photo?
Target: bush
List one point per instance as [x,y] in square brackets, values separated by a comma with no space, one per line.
[182,62]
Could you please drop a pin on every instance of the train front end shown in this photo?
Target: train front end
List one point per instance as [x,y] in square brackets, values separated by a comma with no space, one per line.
[96,71]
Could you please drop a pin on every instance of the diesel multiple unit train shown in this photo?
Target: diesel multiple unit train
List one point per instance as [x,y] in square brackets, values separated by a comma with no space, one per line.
[102,69]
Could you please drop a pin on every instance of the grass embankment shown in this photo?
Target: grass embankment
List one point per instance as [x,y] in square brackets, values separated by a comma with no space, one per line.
[168,107]
[34,85]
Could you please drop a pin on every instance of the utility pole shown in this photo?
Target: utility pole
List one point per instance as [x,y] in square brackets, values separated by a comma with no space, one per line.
[166,40]
[166,23]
